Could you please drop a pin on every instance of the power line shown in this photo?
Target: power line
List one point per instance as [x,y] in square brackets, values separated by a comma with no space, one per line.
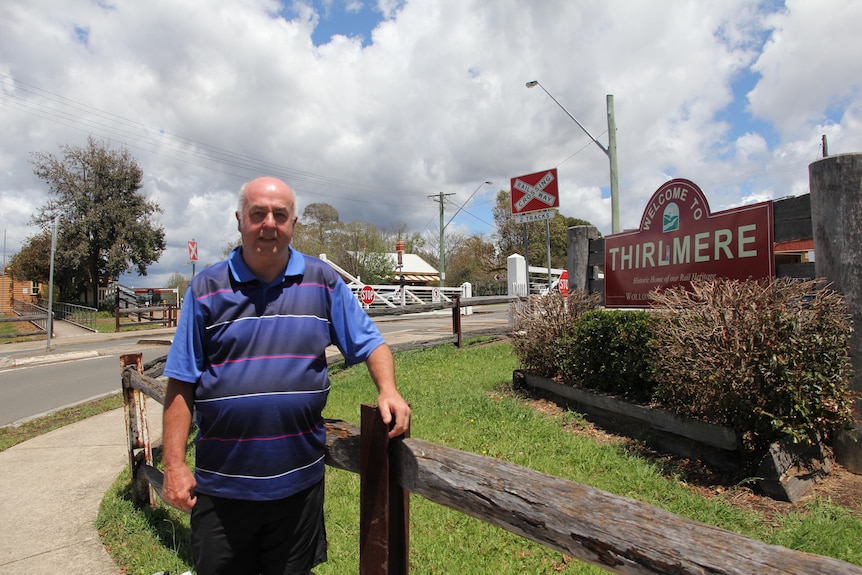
[83,117]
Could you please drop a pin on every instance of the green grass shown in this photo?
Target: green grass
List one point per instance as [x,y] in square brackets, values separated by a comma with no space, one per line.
[461,399]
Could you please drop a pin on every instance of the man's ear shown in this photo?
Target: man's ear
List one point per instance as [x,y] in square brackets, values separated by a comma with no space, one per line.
[238,221]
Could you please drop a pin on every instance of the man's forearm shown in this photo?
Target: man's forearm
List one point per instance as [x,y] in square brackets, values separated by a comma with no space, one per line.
[177,420]
[381,367]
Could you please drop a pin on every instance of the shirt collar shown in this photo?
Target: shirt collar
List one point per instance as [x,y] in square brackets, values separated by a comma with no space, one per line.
[241,272]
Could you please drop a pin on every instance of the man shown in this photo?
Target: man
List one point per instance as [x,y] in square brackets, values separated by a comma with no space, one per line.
[249,356]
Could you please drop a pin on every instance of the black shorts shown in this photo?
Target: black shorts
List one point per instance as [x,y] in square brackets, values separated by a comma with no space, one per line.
[236,537]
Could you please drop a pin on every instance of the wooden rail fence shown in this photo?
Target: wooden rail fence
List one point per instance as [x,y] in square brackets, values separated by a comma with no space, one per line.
[621,535]
[165,315]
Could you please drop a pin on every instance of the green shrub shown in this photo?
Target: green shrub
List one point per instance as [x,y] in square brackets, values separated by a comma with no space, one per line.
[768,358]
[609,351]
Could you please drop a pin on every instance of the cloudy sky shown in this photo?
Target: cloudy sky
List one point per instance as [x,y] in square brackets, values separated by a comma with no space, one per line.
[374,106]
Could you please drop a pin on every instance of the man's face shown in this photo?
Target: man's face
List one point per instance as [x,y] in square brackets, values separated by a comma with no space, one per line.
[267,221]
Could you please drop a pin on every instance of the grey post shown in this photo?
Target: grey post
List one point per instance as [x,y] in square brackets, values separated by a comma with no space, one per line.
[836,220]
[578,253]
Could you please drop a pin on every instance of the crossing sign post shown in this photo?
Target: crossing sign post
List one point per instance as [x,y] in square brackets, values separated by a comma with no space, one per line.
[535,197]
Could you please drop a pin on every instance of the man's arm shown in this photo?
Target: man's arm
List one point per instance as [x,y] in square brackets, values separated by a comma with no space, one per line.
[179,482]
[392,406]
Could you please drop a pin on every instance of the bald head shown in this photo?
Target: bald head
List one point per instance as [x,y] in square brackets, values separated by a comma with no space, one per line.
[266,218]
[262,182]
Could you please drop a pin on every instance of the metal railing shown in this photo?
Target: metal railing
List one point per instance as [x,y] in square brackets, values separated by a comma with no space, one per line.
[82,316]
[35,314]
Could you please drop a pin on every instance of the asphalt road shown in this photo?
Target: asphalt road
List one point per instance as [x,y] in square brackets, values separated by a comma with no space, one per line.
[32,390]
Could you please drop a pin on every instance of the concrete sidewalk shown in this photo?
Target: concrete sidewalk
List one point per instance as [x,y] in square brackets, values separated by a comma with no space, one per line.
[52,486]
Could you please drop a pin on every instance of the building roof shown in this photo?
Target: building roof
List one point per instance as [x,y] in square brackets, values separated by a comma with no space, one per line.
[412,264]
[414,268]
[795,246]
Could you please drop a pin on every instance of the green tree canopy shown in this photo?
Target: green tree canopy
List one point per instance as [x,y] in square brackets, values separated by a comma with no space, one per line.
[106,226]
[510,235]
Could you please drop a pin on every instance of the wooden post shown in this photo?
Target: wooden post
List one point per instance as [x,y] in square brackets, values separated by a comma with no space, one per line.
[456,320]
[137,430]
[117,319]
[383,505]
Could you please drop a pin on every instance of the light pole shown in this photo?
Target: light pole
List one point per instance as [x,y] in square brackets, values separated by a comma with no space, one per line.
[446,225]
[610,151]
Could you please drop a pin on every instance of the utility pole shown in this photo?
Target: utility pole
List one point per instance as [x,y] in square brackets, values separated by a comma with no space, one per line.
[610,151]
[441,197]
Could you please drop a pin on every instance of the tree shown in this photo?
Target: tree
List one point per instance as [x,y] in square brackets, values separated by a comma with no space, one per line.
[361,252]
[106,226]
[476,260]
[178,281]
[510,235]
[33,261]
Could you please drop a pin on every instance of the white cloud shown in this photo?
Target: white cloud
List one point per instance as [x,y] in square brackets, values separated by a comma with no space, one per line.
[207,95]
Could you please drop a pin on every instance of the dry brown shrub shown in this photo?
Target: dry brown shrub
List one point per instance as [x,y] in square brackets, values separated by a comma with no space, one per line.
[768,358]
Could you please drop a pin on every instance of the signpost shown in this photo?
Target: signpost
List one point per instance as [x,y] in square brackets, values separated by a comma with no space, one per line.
[193,254]
[679,240]
[535,197]
[564,283]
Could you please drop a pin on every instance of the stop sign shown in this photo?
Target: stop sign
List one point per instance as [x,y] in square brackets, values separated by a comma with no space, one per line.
[564,283]
[367,294]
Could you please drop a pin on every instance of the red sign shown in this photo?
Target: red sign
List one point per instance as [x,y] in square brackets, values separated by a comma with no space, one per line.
[564,283]
[679,240]
[367,294]
[193,251]
[533,192]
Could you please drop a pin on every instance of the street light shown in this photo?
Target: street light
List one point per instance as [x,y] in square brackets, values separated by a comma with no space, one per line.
[610,151]
[443,228]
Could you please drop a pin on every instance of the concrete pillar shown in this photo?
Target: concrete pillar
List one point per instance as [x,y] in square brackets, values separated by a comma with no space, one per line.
[836,220]
[519,281]
[578,253]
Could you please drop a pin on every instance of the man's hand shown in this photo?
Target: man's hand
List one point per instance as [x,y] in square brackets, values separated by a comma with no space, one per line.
[393,408]
[178,488]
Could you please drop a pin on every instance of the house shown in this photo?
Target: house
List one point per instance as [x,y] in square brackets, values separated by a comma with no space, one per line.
[21,290]
[416,271]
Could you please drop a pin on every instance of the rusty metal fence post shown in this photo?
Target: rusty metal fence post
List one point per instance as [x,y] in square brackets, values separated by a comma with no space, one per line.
[137,431]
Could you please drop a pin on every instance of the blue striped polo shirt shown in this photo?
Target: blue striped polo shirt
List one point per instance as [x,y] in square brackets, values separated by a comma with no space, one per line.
[255,354]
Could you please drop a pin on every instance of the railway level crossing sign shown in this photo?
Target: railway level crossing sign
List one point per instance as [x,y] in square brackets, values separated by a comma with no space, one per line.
[193,251]
[534,196]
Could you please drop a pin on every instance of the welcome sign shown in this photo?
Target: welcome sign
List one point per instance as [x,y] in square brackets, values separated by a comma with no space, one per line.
[680,240]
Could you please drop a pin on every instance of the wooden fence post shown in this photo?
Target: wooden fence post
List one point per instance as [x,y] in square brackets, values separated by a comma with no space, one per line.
[137,431]
[384,512]
[456,320]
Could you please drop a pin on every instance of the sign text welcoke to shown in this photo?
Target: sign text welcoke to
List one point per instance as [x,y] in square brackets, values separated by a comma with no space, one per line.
[680,240]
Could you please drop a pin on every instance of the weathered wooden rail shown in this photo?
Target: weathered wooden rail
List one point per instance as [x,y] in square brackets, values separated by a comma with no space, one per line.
[621,535]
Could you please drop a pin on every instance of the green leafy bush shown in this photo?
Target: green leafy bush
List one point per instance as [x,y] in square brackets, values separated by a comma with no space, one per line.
[610,351]
[769,359]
